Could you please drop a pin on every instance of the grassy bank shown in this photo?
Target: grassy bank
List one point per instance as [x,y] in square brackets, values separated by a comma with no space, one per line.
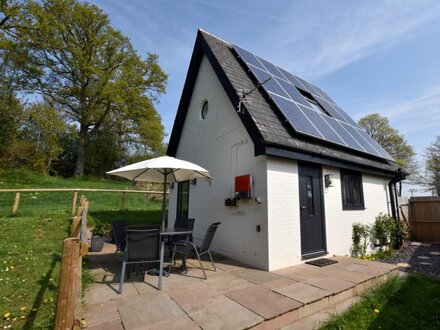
[104,206]
[411,302]
[31,241]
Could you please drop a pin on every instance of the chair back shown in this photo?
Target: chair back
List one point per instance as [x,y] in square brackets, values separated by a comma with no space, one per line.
[185,223]
[143,244]
[119,229]
[209,237]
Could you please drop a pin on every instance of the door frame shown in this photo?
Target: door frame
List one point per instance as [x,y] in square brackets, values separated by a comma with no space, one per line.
[318,167]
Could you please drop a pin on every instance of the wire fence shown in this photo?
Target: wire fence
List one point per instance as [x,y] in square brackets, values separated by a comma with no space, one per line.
[33,202]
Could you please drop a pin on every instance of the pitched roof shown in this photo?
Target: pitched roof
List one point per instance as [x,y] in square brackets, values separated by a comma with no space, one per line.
[262,120]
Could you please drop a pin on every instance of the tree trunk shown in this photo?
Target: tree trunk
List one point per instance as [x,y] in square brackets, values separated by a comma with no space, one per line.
[80,151]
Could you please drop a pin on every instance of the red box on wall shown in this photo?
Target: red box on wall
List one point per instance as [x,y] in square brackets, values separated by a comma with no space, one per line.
[243,186]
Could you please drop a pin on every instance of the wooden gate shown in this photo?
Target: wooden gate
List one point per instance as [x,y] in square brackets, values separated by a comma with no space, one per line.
[424,216]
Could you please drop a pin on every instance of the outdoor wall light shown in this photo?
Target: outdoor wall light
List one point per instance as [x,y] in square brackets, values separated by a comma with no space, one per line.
[328,180]
[193,182]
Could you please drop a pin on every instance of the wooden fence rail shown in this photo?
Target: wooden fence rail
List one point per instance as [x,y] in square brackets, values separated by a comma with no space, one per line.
[68,313]
[424,216]
[75,191]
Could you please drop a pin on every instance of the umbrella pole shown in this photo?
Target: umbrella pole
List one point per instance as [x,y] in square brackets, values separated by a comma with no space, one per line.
[164,199]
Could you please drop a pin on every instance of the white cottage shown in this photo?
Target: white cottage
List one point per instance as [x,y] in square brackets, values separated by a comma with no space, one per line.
[291,170]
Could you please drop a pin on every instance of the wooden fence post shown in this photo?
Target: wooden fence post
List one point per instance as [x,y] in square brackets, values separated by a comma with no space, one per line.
[16,203]
[75,196]
[67,289]
[123,201]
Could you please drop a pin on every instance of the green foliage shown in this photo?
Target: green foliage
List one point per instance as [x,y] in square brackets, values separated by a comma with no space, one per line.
[101,229]
[360,238]
[43,129]
[417,295]
[66,51]
[384,231]
[382,228]
[10,114]
[431,176]
[379,129]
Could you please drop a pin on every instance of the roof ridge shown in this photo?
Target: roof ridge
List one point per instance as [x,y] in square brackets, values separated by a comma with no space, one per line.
[214,36]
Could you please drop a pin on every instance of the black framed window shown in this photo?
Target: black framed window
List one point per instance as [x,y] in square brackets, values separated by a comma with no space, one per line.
[182,200]
[352,191]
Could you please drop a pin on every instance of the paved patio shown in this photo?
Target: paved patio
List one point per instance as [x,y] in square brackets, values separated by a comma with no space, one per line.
[233,297]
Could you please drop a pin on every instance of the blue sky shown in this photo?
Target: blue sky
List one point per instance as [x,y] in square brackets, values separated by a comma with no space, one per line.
[370,56]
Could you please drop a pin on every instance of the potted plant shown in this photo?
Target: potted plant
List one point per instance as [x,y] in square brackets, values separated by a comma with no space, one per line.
[100,230]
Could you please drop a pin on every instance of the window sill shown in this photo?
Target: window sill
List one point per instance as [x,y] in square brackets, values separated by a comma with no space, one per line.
[353,208]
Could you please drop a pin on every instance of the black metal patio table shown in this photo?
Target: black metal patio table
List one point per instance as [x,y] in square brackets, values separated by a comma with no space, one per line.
[168,232]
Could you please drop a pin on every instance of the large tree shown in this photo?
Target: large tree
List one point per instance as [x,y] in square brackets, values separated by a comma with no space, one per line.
[391,140]
[89,72]
[431,177]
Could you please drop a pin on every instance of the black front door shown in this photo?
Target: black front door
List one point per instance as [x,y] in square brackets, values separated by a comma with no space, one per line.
[311,205]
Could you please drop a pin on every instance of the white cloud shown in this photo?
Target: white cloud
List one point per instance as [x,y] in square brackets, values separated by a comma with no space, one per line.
[314,43]
[416,113]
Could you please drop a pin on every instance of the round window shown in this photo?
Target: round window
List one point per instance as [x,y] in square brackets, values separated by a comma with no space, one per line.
[204,109]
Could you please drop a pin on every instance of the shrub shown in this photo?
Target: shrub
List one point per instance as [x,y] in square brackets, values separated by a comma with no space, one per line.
[101,229]
[360,238]
[382,229]
[385,230]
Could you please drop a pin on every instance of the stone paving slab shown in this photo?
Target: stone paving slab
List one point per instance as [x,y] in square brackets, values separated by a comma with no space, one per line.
[177,323]
[101,313]
[194,297]
[303,292]
[364,269]
[142,310]
[101,293]
[224,282]
[346,275]
[110,325]
[278,283]
[263,302]
[256,276]
[331,284]
[223,313]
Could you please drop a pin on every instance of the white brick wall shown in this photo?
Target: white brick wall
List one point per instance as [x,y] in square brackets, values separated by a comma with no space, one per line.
[221,144]
[284,218]
[283,210]
[339,222]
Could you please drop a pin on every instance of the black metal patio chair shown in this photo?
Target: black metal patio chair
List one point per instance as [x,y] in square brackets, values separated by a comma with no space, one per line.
[183,223]
[119,230]
[143,247]
[189,249]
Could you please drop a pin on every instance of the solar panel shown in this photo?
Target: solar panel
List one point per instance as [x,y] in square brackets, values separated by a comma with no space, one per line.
[271,84]
[320,123]
[293,93]
[295,98]
[295,116]
[248,57]
[342,132]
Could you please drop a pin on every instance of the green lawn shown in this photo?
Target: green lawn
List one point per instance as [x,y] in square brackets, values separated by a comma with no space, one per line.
[400,303]
[31,241]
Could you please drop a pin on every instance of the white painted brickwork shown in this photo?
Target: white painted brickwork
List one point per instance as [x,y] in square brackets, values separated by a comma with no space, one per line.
[283,210]
[221,144]
[339,222]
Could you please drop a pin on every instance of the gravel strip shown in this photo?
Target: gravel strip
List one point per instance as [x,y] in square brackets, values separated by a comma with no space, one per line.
[419,257]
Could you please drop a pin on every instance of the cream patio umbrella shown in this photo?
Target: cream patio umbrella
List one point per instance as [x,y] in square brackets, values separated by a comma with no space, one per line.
[163,169]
